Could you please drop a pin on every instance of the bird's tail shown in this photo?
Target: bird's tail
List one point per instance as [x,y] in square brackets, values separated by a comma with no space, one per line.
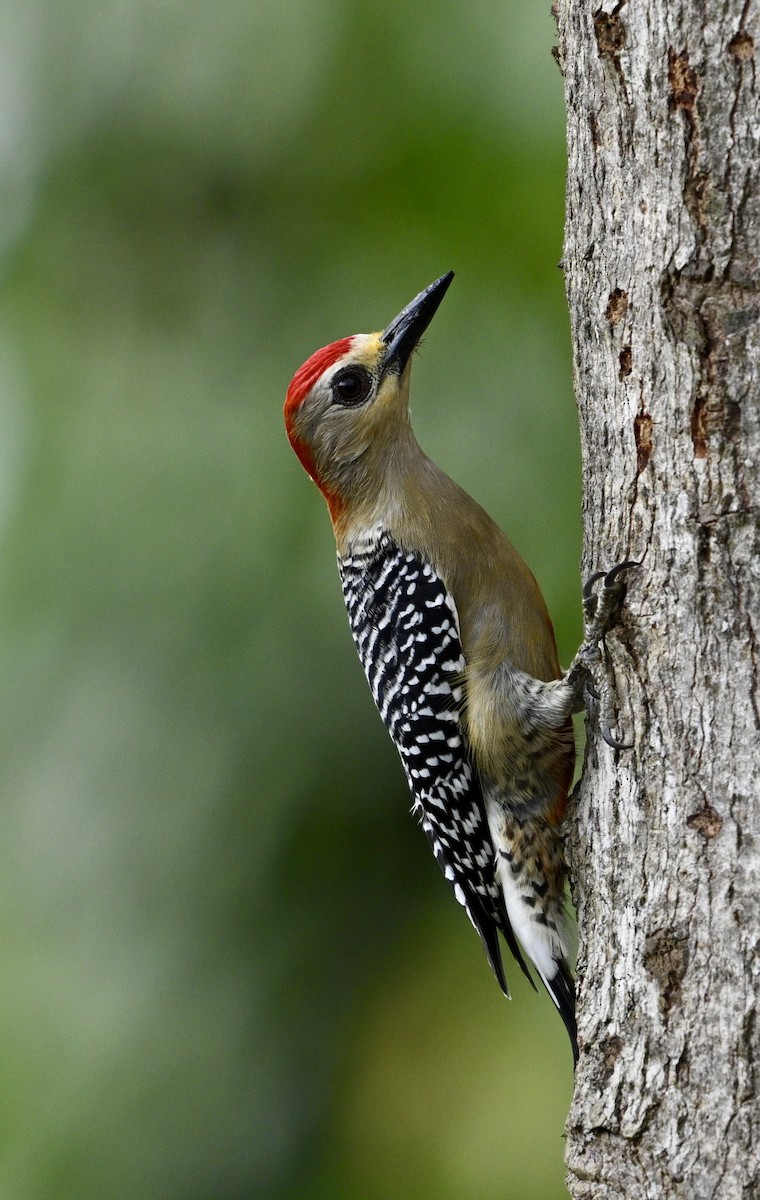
[532,875]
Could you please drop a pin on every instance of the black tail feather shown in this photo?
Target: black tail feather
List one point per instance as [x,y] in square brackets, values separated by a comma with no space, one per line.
[561,988]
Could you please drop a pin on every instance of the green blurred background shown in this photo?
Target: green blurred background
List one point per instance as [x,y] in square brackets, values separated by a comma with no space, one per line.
[230,967]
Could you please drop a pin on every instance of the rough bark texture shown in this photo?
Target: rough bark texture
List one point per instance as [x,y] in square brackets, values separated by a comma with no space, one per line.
[661,261]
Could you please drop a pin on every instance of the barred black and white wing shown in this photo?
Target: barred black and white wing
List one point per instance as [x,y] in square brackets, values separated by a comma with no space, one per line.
[406,630]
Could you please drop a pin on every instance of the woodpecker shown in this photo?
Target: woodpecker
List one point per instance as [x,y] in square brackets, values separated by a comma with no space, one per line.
[456,643]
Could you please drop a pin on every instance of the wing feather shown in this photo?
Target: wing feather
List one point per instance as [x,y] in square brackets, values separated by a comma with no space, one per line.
[406,629]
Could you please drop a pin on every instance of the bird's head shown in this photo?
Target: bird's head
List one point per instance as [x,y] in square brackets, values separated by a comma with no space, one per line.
[347,407]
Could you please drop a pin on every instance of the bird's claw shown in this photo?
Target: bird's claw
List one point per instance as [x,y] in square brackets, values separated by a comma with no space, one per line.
[612,574]
[589,596]
[611,740]
[600,609]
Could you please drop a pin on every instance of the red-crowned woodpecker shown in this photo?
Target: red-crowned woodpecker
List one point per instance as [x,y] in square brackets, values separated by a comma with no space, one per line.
[456,643]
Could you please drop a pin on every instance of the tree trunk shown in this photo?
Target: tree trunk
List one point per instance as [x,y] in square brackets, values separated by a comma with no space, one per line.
[661,261]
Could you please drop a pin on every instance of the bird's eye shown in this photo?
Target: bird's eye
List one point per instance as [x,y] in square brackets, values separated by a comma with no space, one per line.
[352,385]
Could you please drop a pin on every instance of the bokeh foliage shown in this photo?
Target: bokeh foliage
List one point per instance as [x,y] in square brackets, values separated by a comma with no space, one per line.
[230,967]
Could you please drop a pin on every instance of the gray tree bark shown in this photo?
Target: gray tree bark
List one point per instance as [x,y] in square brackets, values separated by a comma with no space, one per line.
[661,262]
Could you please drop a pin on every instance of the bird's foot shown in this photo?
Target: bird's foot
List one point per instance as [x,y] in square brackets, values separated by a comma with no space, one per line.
[601,608]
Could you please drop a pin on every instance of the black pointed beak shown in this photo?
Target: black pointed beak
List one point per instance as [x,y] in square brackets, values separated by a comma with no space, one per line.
[405,330]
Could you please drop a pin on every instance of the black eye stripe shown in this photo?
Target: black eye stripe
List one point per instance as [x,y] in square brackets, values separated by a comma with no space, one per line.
[352,385]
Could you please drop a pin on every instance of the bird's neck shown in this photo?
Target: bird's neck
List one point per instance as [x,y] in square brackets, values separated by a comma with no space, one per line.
[373,496]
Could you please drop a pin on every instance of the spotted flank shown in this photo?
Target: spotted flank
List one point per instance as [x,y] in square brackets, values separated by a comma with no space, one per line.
[406,630]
